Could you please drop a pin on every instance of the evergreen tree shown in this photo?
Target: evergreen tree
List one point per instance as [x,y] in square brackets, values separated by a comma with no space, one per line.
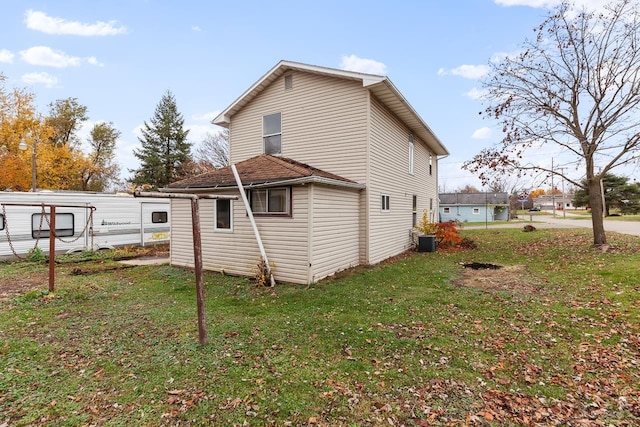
[618,194]
[165,150]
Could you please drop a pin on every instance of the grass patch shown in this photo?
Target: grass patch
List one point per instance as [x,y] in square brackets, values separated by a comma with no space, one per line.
[551,338]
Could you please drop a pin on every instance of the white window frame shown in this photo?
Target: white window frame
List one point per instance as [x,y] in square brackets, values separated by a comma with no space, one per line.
[476,211]
[215,219]
[446,210]
[1,222]
[411,155]
[266,135]
[267,212]
[385,203]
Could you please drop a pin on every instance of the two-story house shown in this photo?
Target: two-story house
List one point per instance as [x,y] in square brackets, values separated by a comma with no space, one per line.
[337,167]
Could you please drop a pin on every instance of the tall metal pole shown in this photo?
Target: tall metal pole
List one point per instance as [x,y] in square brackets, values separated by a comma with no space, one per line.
[34,184]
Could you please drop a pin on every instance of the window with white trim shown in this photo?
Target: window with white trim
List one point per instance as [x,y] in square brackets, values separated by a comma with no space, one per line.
[385,203]
[40,225]
[271,201]
[411,154]
[272,133]
[446,210]
[476,211]
[224,216]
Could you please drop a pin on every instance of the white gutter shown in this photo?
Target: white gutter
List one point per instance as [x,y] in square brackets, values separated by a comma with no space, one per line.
[294,181]
[253,223]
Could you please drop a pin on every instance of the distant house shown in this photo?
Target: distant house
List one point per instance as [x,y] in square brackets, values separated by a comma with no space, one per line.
[548,201]
[336,165]
[474,207]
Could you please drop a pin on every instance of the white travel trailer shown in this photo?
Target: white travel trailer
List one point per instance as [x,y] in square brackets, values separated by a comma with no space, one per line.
[83,221]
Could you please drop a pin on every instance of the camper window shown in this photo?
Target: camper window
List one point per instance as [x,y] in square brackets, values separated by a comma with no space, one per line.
[64,225]
[1,222]
[159,217]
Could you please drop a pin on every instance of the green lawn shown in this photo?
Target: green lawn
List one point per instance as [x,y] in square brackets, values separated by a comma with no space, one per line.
[551,338]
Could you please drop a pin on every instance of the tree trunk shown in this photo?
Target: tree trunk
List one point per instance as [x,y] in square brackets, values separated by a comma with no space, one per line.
[595,201]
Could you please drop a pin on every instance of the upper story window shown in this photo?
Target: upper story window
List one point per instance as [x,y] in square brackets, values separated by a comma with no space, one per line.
[272,133]
[411,150]
[271,201]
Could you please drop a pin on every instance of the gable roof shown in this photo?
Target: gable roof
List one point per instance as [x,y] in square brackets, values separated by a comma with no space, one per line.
[473,199]
[380,86]
[262,171]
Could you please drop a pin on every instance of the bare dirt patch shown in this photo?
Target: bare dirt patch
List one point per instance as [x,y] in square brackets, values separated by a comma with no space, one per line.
[515,278]
[22,284]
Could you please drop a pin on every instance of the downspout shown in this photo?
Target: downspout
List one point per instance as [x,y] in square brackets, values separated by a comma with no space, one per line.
[253,223]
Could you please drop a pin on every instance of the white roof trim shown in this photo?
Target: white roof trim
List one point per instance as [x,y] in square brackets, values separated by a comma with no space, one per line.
[380,86]
[293,181]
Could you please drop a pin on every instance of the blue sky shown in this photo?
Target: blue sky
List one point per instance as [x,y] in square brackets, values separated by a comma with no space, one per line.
[118,57]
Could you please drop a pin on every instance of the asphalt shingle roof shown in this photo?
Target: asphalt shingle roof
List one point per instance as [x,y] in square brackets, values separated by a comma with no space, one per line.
[261,169]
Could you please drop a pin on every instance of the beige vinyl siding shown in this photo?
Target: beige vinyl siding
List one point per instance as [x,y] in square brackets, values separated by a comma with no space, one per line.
[237,253]
[181,246]
[323,123]
[336,230]
[390,232]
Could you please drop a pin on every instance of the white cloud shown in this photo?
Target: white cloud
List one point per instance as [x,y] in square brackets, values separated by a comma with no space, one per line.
[206,117]
[40,78]
[6,56]
[45,56]
[94,61]
[467,71]
[476,94]
[196,28]
[40,21]
[549,4]
[363,65]
[530,3]
[482,133]
[470,71]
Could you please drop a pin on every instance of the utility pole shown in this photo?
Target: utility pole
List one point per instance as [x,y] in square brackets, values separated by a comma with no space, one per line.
[553,193]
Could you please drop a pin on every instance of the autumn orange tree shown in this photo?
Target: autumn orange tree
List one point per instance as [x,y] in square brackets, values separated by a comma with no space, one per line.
[575,87]
[61,164]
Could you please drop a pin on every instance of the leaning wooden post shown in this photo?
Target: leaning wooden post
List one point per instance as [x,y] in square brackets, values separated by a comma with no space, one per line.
[52,248]
[197,265]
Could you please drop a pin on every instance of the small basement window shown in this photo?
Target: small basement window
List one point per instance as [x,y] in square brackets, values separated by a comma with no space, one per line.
[40,225]
[159,217]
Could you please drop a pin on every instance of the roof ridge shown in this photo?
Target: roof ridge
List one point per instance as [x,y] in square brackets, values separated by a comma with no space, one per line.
[292,164]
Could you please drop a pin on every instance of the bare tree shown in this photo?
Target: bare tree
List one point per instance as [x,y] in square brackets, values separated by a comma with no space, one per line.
[575,87]
[213,152]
